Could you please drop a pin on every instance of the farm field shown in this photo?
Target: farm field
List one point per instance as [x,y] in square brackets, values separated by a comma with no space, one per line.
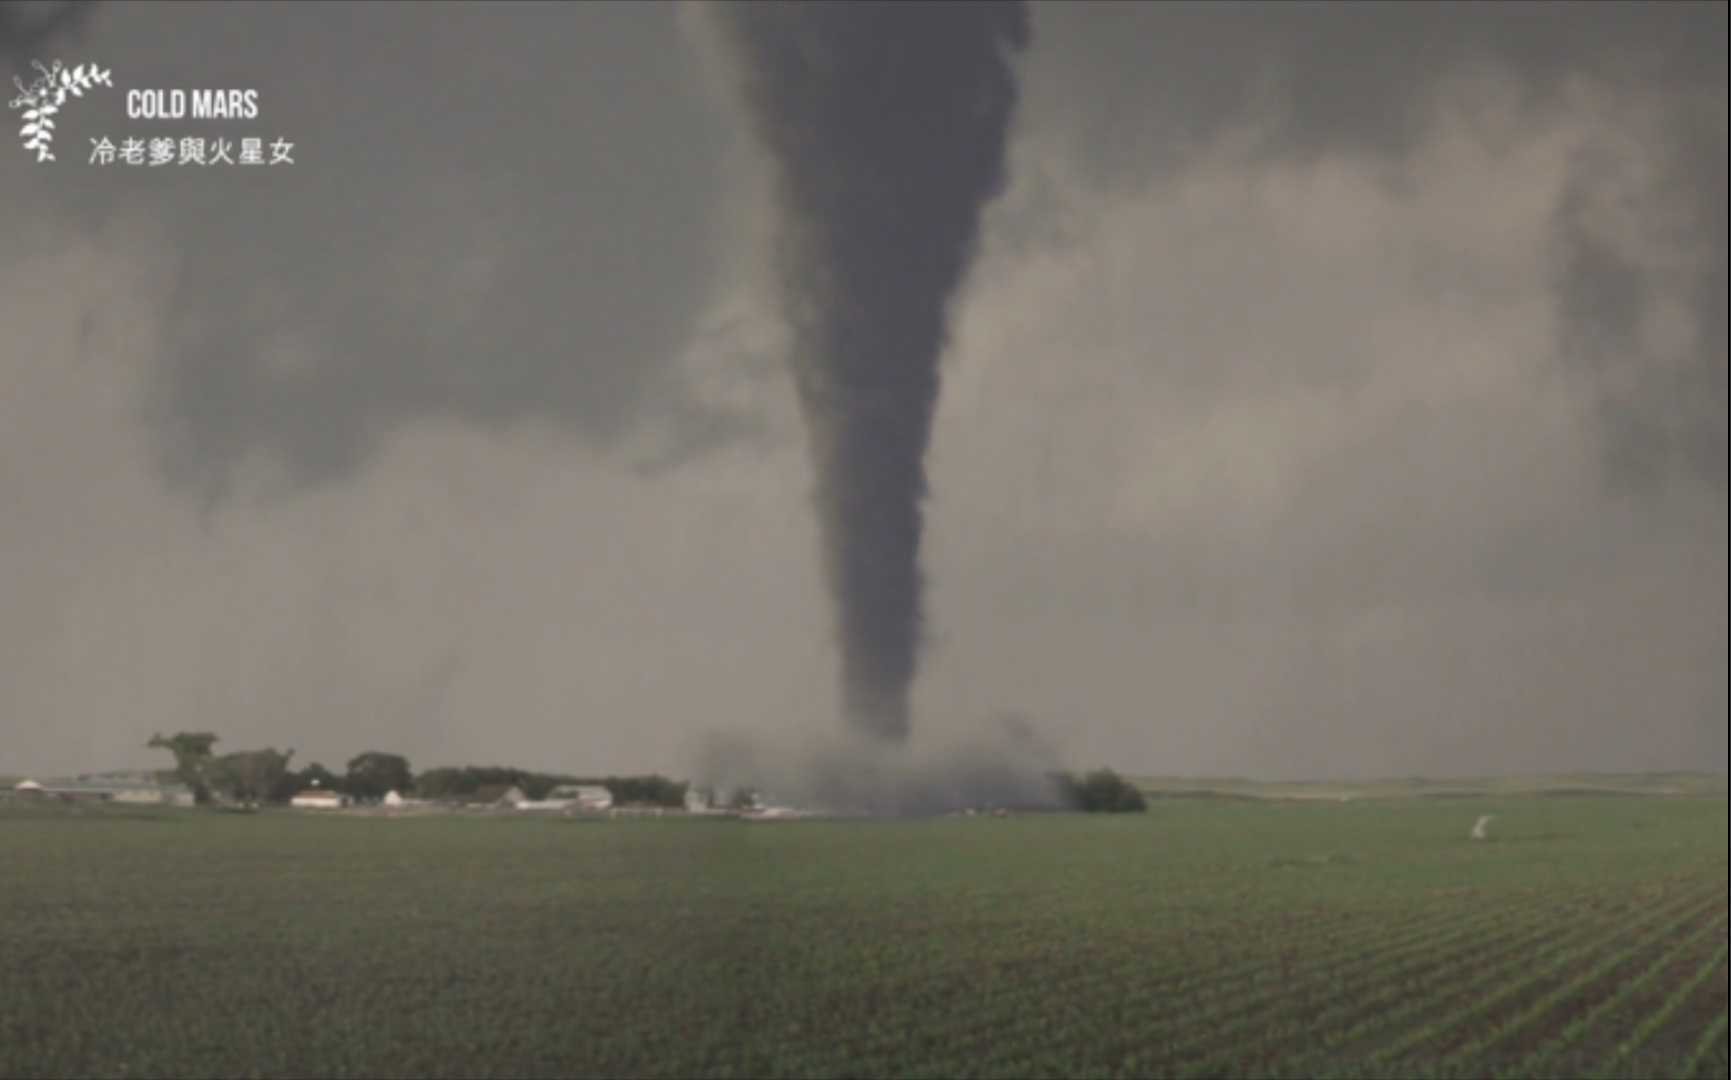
[1208,938]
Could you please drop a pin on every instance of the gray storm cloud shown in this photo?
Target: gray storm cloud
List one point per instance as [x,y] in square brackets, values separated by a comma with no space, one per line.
[28,29]
[888,124]
[449,261]
[1360,79]
[1662,396]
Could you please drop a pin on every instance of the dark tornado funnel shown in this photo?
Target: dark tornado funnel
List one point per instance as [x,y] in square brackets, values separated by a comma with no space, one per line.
[888,124]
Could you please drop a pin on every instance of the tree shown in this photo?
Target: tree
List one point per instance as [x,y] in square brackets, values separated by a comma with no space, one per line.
[648,790]
[248,775]
[192,755]
[286,787]
[449,781]
[373,775]
[1104,792]
[439,783]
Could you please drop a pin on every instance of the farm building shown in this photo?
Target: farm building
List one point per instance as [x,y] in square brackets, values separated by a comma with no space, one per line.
[23,790]
[494,795]
[318,799]
[582,796]
[129,792]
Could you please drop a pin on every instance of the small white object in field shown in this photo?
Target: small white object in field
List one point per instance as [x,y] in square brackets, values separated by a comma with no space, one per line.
[1479,829]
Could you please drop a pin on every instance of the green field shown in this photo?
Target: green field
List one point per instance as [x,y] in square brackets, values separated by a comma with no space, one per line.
[1229,937]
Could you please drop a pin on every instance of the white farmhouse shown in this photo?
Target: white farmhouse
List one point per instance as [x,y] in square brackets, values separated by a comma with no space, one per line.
[318,799]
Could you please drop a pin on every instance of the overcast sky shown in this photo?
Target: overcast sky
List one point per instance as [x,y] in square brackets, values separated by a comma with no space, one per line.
[1340,391]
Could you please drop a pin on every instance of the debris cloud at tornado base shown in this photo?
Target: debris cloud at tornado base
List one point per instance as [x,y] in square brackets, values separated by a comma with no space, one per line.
[1004,763]
[887,123]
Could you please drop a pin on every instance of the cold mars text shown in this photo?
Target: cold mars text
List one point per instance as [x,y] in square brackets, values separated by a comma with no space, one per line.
[206,104]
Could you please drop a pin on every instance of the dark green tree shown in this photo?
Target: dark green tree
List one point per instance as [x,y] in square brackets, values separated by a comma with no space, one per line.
[285,787]
[192,756]
[449,781]
[1104,792]
[247,776]
[647,790]
[373,775]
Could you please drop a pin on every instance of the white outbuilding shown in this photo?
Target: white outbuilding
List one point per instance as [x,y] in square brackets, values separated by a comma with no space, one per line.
[319,799]
[582,796]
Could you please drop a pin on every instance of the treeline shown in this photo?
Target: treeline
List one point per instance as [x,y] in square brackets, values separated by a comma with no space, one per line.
[254,776]
[451,781]
[251,776]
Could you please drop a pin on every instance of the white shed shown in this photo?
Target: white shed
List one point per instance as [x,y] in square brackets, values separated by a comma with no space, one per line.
[317,799]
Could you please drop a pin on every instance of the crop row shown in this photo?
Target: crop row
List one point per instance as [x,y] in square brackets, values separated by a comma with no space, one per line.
[1009,1028]
[1548,1004]
[1656,1021]
[1324,1036]
[1542,969]
[1301,1002]
[1058,976]
[1124,999]
[1066,1020]
[1713,1042]
[1245,988]
[1588,1020]
[1395,1001]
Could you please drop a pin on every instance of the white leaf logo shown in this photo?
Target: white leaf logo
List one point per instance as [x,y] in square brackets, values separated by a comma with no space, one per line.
[44,97]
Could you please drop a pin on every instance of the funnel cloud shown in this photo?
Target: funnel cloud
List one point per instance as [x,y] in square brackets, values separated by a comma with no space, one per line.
[888,125]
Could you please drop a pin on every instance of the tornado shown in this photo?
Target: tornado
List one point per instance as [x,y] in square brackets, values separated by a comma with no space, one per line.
[887,124]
